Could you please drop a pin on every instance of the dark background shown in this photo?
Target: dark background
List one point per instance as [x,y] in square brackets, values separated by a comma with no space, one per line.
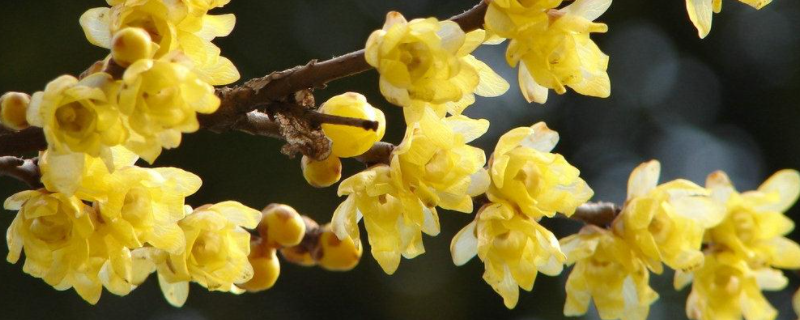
[727,102]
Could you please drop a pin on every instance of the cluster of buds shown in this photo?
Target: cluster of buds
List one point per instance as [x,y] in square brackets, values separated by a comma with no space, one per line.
[301,241]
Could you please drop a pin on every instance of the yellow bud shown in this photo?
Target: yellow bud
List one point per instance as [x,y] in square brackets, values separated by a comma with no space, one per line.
[349,141]
[281,226]
[130,45]
[13,107]
[266,267]
[321,174]
[335,254]
[298,255]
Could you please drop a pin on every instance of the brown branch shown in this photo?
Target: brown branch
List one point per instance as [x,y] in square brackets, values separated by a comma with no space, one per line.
[23,170]
[278,87]
[258,124]
[25,141]
[600,214]
[380,153]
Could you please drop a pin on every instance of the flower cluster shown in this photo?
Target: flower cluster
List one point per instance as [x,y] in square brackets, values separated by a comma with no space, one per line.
[552,46]
[527,183]
[136,222]
[100,220]
[608,270]
[433,167]
[745,250]
[149,90]
[659,224]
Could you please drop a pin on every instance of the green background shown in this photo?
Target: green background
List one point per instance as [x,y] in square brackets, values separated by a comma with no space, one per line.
[727,102]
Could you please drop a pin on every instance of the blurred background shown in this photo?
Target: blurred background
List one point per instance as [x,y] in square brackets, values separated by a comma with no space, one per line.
[728,102]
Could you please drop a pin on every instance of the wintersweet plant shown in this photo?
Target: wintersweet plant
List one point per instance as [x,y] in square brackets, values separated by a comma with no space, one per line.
[96,217]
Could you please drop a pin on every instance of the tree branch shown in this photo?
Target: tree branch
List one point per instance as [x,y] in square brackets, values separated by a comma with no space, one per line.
[380,153]
[238,101]
[23,170]
[600,214]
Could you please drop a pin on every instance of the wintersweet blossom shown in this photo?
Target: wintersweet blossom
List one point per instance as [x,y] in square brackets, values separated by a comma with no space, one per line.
[665,223]
[427,63]
[526,174]
[608,272]
[513,247]
[755,226]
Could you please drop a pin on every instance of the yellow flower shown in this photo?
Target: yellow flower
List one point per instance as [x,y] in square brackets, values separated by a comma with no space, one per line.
[217,247]
[665,223]
[701,12]
[525,174]
[513,247]
[54,232]
[552,46]
[755,226]
[609,272]
[727,288]
[65,173]
[143,206]
[509,18]
[172,25]
[394,220]
[426,63]
[349,141]
[78,116]
[435,163]
[162,99]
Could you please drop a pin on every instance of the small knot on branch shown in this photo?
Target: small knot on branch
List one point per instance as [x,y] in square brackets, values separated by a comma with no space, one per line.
[25,170]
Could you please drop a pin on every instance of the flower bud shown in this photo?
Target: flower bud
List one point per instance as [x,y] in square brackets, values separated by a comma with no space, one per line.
[349,141]
[335,254]
[281,226]
[130,45]
[321,174]
[13,107]
[266,267]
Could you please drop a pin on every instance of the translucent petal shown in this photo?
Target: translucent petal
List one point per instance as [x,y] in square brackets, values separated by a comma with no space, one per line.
[700,12]
[643,179]
[786,183]
[770,279]
[532,91]
[96,25]
[238,213]
[175,293]
[588,9]
[464,245]
[491,84]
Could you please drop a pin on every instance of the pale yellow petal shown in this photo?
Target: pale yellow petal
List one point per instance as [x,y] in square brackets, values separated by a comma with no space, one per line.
[700,12]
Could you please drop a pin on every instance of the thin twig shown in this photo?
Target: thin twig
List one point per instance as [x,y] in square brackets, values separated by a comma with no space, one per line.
[25,170]
[318,118]
[380,153]
[600,214]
